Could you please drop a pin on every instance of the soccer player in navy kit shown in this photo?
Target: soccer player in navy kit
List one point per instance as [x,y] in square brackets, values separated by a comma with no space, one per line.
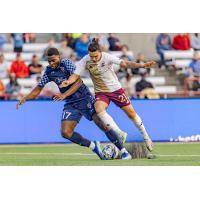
[79,102]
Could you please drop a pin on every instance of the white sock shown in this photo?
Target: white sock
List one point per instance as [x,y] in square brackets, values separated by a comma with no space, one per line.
[92,145]
[140,125]
[108,120]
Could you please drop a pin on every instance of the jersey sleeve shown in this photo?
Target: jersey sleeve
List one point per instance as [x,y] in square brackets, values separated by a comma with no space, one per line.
[45,79]
[113,59]
[81,66]
[70,66]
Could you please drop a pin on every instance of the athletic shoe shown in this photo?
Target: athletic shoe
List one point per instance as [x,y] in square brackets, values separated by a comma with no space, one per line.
[98,150]
[149,144]
[126,156]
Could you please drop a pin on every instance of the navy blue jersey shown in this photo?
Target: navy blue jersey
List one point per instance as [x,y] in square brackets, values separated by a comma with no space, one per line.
[61,73]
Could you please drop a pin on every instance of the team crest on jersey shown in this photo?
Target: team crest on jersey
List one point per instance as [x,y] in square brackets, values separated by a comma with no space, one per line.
[62,69]
[89,105]
[103,64]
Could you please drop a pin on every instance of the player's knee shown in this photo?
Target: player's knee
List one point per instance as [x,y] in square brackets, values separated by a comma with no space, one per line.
[66,133]
[99,109]
[131,114]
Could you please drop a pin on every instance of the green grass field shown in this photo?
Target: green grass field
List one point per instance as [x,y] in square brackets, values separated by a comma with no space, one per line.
[168,154]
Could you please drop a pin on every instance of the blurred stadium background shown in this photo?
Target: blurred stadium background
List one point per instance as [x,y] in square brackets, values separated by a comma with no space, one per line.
[166,97]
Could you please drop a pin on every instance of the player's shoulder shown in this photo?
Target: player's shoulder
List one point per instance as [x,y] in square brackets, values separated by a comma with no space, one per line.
[66,61]
[86,58]
[106,56]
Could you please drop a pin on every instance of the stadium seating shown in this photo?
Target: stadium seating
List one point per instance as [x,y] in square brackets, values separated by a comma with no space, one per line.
[29,47]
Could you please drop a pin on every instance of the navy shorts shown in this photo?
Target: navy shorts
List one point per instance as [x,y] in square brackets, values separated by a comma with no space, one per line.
[74,111]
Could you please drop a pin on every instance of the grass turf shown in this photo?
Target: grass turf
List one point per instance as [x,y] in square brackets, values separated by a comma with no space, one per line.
[168,154]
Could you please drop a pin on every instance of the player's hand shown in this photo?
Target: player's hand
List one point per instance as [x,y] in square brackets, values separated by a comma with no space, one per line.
[58,97]
[149,64]
[64,84]
[20,102]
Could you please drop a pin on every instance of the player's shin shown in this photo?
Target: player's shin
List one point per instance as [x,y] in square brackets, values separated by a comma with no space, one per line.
[110,123]
[138,122]
[78,139]
[115,139]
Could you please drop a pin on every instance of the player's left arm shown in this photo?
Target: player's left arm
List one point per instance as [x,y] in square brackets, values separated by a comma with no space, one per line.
[129,64]
[70,91]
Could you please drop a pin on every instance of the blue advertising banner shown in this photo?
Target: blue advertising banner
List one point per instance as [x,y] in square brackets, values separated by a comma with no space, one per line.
[39,121]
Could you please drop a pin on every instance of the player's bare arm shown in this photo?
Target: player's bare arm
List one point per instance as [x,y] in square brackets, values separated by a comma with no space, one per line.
[32,95]
[128,64]
[72,90]
[72,79]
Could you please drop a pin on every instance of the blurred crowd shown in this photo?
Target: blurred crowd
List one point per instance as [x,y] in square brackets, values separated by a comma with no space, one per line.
[71,45]
[183,42]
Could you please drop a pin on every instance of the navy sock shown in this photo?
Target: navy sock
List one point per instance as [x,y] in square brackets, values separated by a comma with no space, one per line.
[114,138]
[79,139]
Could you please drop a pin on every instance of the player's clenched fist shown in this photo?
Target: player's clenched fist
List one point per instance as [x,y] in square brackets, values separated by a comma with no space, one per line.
[64,84]
[149,64]
[20,102]
[58,97]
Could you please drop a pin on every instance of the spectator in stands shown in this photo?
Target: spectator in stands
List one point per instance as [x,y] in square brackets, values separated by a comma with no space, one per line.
[18,42]
[145,88]
[13,88]
[3,67]
[114,42]
[125,52]
[29,37]
[163,43]
[2,89]
[195,42]
[103,41]
[81,46]
[143,83]
[181,42]
[51,43]
[19,68]
[2,40]
[140,59]
[70,40]
[193,72]
[66,51]
[35,68]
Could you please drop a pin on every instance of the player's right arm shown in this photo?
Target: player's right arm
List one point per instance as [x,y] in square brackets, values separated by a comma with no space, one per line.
[32,95]
[35,92]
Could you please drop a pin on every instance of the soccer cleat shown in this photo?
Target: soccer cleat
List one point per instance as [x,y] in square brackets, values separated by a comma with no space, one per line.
[149,144]
[98,150]
[123,136]
[126,156]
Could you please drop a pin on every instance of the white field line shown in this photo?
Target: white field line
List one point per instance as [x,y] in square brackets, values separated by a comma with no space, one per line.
[87,154]
[49,154]
[178,155]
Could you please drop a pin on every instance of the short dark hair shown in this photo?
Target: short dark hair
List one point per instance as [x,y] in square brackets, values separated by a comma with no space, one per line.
[52,51]
[94,45]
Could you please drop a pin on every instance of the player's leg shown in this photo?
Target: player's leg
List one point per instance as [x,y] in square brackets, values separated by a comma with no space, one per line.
[70,119]
[111,135]
[138,122]
[87,109]
[101,104]
[121,100]
[67,131]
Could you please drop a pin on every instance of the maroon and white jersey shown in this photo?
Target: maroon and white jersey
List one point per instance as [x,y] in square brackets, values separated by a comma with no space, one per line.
[102,72]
